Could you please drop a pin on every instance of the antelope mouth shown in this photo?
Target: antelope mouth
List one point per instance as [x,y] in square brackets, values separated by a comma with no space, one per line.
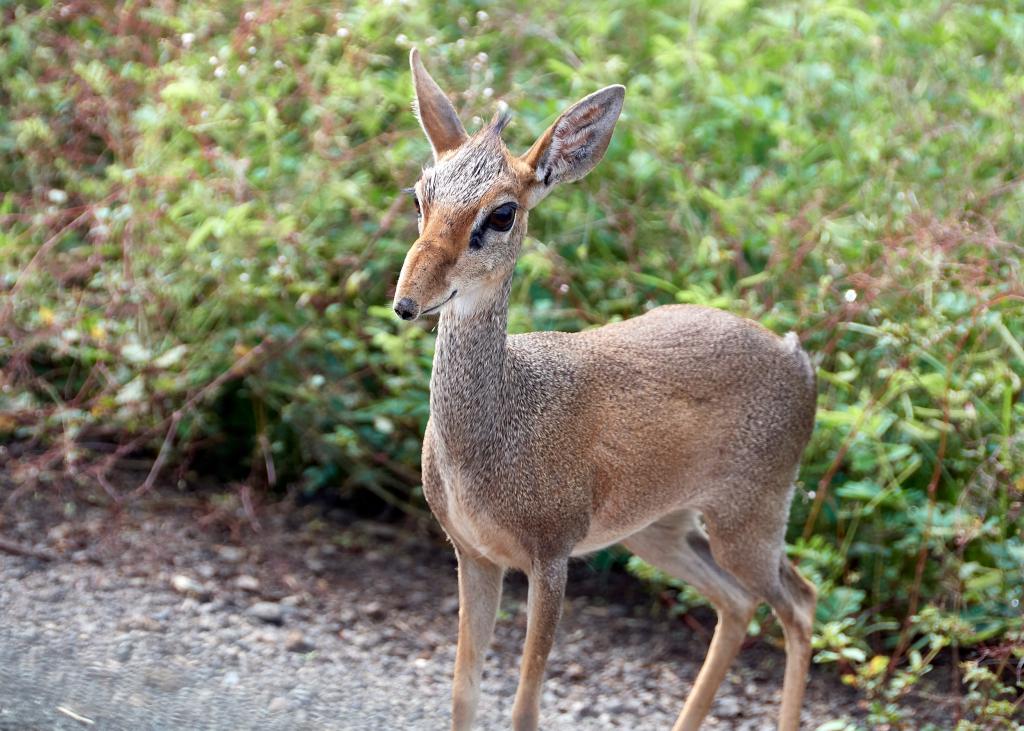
[439,305]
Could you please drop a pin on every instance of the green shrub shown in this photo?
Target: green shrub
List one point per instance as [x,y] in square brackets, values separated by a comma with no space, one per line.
[200,226]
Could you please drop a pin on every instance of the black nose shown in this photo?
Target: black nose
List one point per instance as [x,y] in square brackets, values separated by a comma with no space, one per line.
[406,308]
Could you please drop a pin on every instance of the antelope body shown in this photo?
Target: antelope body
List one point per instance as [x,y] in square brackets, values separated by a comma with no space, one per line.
[677,433]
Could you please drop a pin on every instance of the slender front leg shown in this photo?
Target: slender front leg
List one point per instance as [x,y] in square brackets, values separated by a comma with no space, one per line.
[544,607]
[479,595]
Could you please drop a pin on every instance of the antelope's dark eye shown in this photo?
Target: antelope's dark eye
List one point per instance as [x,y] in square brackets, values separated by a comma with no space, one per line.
[502,217]
[416,201]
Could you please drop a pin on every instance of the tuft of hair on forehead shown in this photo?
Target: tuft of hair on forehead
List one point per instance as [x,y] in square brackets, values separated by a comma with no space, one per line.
[466,174]
[499,122]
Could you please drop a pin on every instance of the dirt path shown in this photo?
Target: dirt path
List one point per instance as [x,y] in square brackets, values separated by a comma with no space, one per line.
[174,615]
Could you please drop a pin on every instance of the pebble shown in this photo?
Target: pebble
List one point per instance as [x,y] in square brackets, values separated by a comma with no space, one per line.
[190,587]
[245,582]
[269,612]
[727,707]
[211,607]
[575,671]
[139,622]
[53,595]
[124,650]
[755,725]
[366,640]
[297,642]
[231,554]
[277,705]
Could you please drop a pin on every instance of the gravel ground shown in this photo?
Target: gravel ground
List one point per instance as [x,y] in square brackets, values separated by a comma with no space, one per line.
[176,614]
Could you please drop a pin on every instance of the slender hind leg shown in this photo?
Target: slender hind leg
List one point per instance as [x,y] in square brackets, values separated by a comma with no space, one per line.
[678,545]
[750,545]
[794,607]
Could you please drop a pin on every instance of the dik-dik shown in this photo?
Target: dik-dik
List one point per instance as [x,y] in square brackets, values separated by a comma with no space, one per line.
[677,433]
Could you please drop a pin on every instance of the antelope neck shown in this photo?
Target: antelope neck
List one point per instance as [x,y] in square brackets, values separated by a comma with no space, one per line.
[469,386]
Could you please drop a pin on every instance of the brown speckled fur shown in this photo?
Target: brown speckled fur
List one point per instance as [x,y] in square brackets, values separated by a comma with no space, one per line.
[678,433]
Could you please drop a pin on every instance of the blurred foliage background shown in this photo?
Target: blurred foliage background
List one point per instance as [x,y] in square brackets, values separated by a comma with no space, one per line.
[201,227]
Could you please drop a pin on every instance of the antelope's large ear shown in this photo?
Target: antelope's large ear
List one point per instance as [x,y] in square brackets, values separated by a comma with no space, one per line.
[436,114]
[576,142]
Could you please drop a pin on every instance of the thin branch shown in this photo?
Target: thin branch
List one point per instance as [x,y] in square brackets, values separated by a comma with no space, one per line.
[19,549]
[40,253]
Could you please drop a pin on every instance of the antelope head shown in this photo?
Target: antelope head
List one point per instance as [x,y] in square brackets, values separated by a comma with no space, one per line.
[472,204]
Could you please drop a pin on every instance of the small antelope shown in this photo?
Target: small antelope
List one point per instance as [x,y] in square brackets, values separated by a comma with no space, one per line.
[677,433]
